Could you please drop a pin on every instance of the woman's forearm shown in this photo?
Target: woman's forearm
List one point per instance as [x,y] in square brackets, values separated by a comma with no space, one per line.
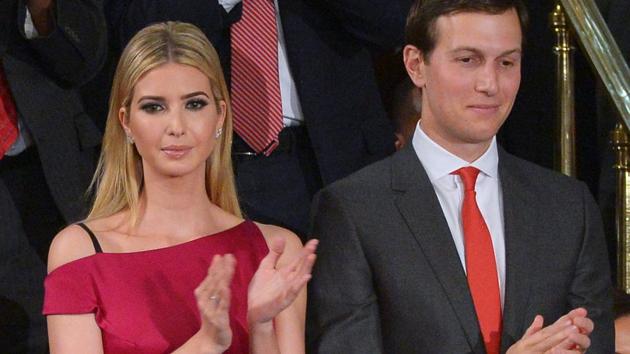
[198,344]
[262,339]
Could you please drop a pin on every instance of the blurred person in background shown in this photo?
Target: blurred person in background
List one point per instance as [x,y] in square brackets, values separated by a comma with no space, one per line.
[47,142]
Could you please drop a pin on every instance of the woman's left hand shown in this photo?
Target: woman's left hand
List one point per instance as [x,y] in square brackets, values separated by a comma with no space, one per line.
[213,301]
[273,289]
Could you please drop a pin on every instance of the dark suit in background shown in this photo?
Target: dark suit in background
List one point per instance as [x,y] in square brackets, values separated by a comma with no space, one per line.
[388,278]
[329,47]
[43,187]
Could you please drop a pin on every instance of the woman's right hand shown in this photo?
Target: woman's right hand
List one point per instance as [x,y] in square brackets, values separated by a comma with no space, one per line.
[213,301]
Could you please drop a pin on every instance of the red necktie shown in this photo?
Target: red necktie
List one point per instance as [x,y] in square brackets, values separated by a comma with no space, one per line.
[481,266]
[256,101]
[8,116]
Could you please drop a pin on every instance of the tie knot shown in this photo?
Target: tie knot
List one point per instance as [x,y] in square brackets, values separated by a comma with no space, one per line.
[469,176]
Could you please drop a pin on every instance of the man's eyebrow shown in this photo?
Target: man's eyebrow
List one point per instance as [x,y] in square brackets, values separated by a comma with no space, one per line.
[477,51]
[510,52]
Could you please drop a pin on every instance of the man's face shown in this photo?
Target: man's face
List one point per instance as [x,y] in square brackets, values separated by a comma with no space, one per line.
[470,80]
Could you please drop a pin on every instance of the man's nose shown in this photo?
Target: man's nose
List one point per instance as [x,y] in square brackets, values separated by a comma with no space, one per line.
[487,80]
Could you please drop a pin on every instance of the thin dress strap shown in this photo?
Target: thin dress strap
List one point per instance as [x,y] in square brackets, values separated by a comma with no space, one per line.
[97,246]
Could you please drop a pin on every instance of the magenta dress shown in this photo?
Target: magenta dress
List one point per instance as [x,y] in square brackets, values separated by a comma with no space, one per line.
[144,301]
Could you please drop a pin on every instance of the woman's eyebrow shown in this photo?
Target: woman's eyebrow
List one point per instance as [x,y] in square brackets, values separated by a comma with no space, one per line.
[193,94]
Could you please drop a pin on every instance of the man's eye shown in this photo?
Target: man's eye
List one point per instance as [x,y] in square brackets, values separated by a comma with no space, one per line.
[196,105]
[507,63]
[467,60]
[151,107]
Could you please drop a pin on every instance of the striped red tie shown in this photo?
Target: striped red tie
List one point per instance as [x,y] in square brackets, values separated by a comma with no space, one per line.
[481,268]
[256,102]
[8,116]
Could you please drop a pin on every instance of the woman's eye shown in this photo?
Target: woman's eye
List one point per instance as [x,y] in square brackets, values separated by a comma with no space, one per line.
[196,105]
[152,107]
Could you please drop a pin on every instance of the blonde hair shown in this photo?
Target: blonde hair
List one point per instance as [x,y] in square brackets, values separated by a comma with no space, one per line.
[118,180]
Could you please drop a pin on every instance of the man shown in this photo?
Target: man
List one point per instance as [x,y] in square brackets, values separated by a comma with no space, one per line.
[452,245]
[331,120]
[46,148]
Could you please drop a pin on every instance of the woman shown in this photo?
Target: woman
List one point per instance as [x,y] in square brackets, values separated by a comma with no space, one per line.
[165,262]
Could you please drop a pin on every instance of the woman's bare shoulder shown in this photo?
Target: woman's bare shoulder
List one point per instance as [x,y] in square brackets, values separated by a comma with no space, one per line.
[69,244]
[74,242]
[293,244]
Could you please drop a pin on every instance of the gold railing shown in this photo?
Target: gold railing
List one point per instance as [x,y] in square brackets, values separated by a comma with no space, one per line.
[597,42]
[602,50]
[621,145]
[565,92]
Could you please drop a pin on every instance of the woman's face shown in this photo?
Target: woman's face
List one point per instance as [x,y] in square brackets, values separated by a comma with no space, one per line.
[173,119]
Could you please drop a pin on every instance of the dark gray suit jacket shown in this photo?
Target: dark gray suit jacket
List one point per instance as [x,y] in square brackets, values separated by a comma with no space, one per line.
[42,74]
[388,278]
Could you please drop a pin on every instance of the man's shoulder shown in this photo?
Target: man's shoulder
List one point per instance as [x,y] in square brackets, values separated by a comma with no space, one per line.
[365,197]
[535,176]
[376,176]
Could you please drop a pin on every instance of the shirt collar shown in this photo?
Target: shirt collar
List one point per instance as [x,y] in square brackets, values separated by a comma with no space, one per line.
[438,162]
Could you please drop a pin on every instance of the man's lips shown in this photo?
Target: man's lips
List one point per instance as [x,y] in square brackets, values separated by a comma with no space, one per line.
[484,108]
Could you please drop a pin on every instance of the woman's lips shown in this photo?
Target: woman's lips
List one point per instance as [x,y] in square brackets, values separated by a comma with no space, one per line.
[176,151]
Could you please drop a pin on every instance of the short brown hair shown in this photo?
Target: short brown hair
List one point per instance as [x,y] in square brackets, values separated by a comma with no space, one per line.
[421,31]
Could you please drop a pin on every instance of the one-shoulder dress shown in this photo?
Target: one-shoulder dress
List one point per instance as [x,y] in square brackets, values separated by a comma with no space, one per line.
[144,301]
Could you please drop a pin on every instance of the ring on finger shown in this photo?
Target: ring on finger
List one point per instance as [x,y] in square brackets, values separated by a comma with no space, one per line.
[215,298]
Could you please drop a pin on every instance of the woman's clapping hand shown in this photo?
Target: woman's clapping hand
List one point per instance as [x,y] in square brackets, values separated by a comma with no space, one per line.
[274,288]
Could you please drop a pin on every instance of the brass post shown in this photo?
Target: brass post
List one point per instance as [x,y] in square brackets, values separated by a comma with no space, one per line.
[620,143]
[565,91]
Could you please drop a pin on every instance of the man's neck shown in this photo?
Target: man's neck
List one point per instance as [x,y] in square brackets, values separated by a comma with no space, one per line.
[438,161]
[468,152]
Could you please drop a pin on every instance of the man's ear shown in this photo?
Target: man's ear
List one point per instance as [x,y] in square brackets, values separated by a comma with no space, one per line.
[400,141]
[415,65]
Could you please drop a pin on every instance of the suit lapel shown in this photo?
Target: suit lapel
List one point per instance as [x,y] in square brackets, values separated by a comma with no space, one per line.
[518,213]
[419,206]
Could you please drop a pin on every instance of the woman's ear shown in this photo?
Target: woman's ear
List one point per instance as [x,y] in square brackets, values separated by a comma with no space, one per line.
[222,113]
[414,64]
[123,118]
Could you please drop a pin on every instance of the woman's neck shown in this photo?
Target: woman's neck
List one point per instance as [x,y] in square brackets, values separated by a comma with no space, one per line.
[177,206]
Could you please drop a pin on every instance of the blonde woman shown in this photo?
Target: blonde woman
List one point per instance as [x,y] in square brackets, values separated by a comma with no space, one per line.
[165,261]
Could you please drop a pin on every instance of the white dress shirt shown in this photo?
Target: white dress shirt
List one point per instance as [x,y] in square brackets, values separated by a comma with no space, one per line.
[439,163]
[291,109]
